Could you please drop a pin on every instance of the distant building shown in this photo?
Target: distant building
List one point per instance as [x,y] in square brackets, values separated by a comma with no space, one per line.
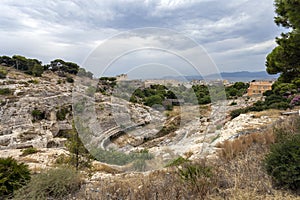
[259,87]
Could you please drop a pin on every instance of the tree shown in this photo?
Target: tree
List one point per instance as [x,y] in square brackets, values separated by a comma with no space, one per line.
[285,58]
[36,70]
[152,100]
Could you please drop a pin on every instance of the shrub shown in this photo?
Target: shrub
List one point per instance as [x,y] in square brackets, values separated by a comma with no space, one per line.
[28,151]
[37,115]
[237,112]
[283,162]
[12,176]
[61,114]
[3,73]
[5,91]
[198,176]
[70,79]
[54,184]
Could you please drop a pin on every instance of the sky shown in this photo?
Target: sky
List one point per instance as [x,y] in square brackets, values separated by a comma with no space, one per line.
[234,35]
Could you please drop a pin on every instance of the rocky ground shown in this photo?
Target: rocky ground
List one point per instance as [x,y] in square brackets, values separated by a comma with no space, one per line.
[114,123]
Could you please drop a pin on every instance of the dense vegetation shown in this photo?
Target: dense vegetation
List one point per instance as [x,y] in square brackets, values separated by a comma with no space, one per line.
[35,67]
[167,96]
[282,163]
[13,176]
[52,184]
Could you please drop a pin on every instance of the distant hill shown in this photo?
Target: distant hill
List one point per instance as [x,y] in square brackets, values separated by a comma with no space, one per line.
[243,76]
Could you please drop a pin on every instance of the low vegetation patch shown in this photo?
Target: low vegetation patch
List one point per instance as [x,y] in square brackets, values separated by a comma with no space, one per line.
[5,91]
[28,151]
[13,175]
[55,184]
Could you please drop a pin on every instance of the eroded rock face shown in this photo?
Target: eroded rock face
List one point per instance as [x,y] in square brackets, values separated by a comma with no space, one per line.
[18,126]
[112,122]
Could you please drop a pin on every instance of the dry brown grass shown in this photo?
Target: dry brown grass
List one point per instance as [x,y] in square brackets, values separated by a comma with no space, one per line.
[238,175]
[243,177]
[270,113]
[231,148]
[99,167]
[154,185]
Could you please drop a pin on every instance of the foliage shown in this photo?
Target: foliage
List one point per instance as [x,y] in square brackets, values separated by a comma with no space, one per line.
[285,58]
[283,162]
[28,151]
[80,157]
[29,66]
[63,66]
[12,176]
[37,115]
[295,101]
[119,158]
[198,176]
[3,73]
[54,183]
[5,91]
[238,89]
[152,100]
[70,79]
[61,113]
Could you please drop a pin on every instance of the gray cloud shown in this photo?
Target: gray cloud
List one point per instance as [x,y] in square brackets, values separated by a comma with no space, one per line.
[236,33]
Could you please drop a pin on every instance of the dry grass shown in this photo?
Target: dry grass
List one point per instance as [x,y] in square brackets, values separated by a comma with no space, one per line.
[99,167]
[270,113]
[238,174]
[243,177]
[231,148]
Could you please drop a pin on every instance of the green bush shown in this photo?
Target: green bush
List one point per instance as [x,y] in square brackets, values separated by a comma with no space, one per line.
[198,176]
[237,112]
[70,79]
[12,176]
[61,114]
[3,73]
[119,158]
[283,162]
[28,151]
[5,91]
[37,115]
[52,184]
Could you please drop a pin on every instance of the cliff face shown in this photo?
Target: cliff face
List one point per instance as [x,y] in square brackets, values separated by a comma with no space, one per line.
[29,112]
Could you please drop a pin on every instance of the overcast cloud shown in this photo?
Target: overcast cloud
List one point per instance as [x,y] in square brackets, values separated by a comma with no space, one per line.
[237,34]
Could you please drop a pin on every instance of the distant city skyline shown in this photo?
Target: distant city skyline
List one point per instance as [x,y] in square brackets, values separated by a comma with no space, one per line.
[236,34]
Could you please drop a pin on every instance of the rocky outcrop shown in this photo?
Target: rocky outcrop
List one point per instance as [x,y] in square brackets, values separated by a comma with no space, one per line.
[18,127]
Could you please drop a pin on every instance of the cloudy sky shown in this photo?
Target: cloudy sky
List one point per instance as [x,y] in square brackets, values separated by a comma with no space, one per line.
[236,34]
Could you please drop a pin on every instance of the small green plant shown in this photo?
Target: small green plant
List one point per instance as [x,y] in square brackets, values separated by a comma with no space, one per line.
[5,91]
[52,184]
[37,115]
[3,73]
[119,158]
[61,114]
[34,81]
[28,151]
[233,103]
[12,176]
[70,79]
[198,176]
